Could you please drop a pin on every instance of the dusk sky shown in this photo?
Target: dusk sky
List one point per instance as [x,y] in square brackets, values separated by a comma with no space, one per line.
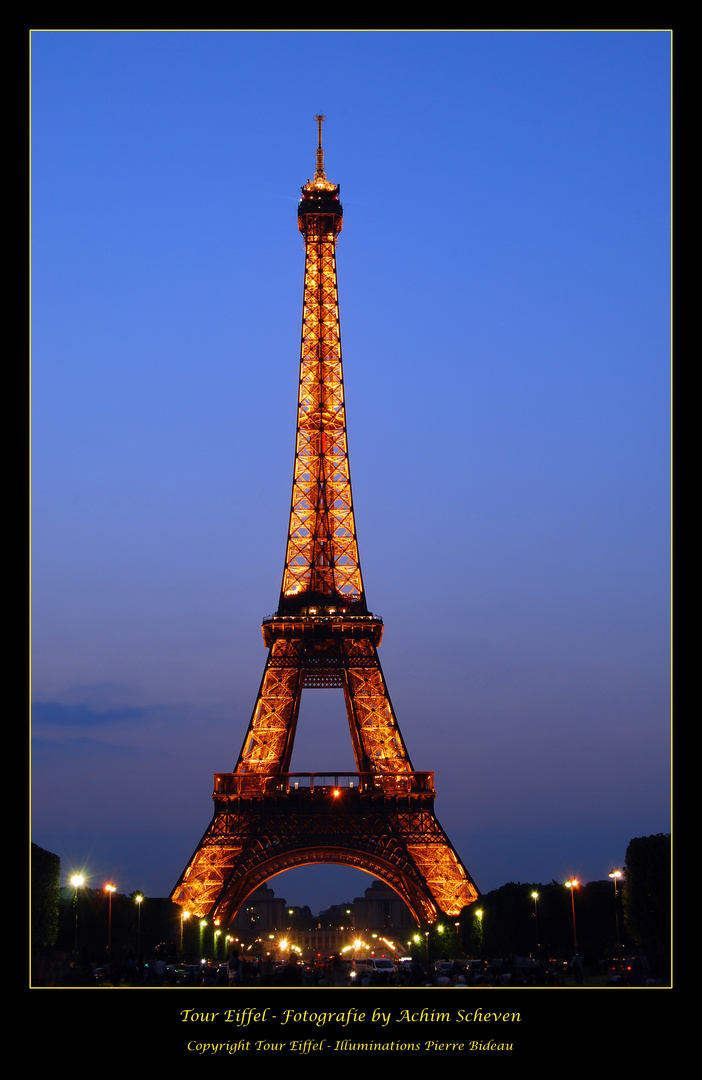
[504,279]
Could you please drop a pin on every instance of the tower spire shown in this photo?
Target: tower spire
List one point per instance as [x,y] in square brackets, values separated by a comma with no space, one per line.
[319,174]
[320,182]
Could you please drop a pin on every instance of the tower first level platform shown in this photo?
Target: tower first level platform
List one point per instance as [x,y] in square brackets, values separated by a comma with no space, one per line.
[384,825]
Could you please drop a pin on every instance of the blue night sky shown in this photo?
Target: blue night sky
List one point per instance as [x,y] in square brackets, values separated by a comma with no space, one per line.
[504,277]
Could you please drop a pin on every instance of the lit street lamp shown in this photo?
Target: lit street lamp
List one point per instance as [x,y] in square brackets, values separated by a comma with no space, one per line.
[615,875]
[573,885]
[76,881]
[183,916]
[479,929]
[109,889]
[138,900]
[535,897]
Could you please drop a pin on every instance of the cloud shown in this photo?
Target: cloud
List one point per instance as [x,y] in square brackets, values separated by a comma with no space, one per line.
[45,713]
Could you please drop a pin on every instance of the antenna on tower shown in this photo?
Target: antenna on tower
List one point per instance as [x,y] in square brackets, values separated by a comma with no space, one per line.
[320,182]
[319,174]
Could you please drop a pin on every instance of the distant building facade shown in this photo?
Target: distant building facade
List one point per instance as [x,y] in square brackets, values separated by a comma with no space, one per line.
[378,920]
[263,912]
[381,909]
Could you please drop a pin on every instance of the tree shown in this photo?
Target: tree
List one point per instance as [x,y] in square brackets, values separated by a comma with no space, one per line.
[646,891]
[46,871]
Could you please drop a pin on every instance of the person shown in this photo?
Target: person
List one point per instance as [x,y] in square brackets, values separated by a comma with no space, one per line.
[130,968]
[576,966]
[234,968]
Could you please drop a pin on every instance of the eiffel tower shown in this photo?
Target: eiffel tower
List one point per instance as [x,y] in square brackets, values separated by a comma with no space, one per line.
[381,818]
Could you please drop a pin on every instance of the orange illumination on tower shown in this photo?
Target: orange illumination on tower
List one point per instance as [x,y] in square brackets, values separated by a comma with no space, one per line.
[322,636]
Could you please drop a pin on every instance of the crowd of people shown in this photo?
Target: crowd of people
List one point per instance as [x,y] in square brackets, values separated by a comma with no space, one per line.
[335,971]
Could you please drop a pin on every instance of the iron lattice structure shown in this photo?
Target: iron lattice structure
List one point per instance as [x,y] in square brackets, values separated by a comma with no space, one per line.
[381,818]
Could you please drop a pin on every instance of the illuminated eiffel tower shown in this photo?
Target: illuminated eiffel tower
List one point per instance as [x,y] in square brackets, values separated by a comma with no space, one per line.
[381,818]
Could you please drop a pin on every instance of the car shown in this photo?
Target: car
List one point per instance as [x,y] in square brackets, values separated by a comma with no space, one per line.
[382,965]
[626,966]
[379,964]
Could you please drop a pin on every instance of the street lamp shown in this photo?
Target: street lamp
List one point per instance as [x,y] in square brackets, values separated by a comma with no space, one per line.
[479,929]
[138,900]
[76,881]
[535,897]
[615,875]
[573,885]
[183,916]
[109,889]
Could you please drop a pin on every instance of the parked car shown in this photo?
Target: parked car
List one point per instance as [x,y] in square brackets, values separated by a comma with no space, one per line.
[379,964]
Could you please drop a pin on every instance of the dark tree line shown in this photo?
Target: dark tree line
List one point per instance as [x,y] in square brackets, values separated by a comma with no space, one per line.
[509,922]
[506,922]
[647,896]
[68,922]
[46,873]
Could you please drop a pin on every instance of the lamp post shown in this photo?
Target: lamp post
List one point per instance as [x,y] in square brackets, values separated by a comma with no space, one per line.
[76,881]
[615,875]
[479,929]
[183,916]
[535,897]
[109,889]
[138,900]
[572,885]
